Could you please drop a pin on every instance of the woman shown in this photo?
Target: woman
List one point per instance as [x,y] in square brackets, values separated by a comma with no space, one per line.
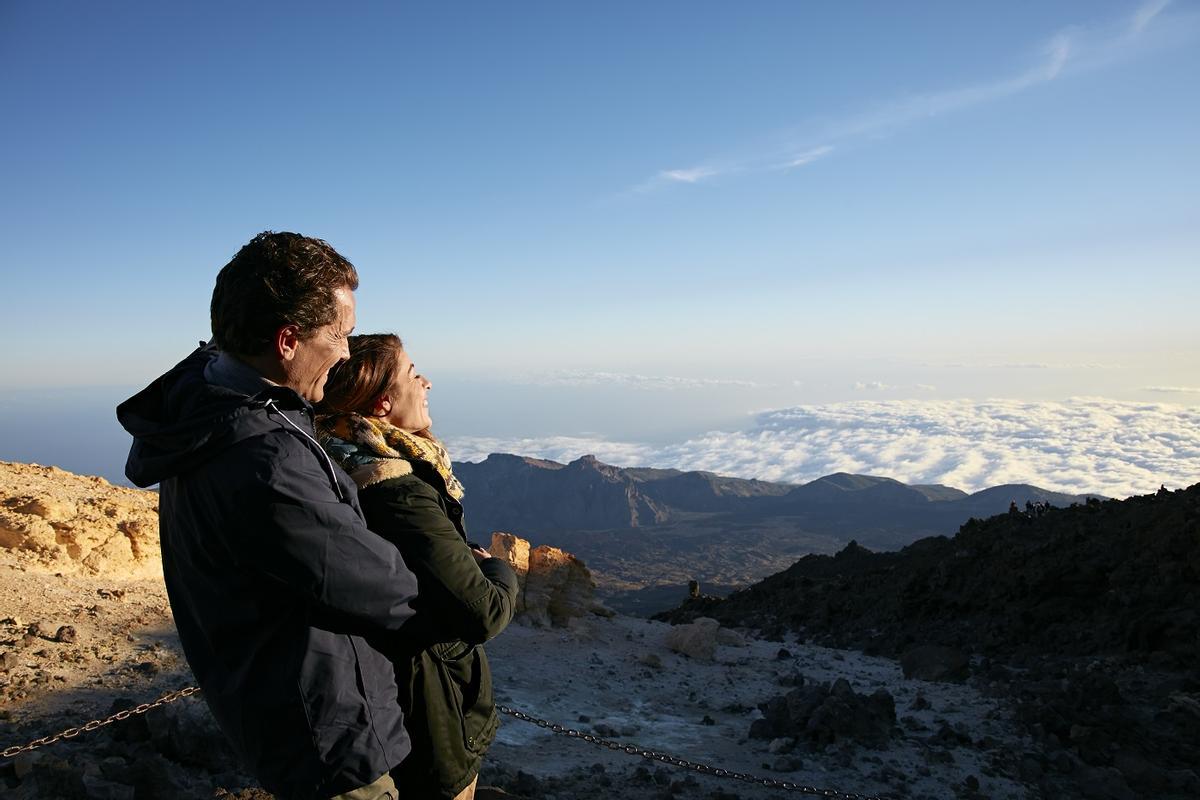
[374,420]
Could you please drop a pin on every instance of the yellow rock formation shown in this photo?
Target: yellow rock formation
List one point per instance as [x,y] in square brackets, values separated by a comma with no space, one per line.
[55,521]
[555,585]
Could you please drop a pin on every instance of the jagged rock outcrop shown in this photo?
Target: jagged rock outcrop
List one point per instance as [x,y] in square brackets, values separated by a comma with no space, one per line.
[54,521]
[556,587]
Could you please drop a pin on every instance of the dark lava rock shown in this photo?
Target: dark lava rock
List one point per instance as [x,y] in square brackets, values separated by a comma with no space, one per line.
[823,714]
[935,663]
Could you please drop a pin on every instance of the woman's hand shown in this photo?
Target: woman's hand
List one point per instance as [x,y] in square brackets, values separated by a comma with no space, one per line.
[480,554]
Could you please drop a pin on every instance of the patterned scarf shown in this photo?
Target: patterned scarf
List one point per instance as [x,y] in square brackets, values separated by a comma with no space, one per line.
[381,439]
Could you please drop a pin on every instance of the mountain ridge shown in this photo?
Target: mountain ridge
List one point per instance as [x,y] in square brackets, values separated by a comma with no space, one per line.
[655,496]
[647,532]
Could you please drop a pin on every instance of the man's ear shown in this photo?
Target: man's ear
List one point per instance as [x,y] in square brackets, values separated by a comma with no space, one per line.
[287,339]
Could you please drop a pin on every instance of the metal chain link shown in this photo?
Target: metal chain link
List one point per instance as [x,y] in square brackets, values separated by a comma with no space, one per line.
[96,724]
[718,772]
[629,749]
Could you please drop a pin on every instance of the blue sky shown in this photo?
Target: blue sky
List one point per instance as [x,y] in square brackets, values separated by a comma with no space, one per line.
[565,207]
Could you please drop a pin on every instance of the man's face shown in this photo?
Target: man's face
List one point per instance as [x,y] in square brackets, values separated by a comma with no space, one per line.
[313,357]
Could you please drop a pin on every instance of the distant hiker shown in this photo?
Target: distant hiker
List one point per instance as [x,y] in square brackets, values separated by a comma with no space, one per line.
[1030,508]
[693,589]
[1013,511]
[280,592]
[375,422]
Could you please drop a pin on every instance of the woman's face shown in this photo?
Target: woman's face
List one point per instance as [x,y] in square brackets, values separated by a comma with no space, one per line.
[406,402]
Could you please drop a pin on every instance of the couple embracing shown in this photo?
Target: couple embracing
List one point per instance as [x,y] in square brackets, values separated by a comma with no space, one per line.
[314,551]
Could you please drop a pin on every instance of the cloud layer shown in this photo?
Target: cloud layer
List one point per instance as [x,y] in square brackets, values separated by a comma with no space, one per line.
[1081,445]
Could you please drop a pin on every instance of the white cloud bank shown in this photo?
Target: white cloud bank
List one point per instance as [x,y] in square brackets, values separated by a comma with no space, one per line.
[1081,445]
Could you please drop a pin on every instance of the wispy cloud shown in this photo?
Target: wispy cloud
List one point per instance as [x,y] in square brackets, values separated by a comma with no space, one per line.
[1173,389]
[631,380]
[1021,365]
[692,175]
[806,157]
[880,386]
[1079,445]
[1078,47]
[1143,16]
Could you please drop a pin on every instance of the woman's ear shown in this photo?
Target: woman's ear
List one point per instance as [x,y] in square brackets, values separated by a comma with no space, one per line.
[382,407]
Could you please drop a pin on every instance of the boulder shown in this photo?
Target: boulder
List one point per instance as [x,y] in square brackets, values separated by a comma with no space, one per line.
[696,640]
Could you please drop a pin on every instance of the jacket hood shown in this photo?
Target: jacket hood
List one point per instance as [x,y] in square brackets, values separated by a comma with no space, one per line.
[181,419]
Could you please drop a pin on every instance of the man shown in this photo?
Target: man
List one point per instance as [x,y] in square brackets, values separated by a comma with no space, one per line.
[276,584]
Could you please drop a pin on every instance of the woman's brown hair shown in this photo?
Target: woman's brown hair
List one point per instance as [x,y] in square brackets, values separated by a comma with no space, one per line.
[356,383]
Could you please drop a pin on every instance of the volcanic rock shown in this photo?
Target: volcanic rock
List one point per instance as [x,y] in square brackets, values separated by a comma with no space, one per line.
[825,714]
[935,663]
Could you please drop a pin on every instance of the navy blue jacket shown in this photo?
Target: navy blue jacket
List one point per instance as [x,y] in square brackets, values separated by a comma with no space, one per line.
[282,596]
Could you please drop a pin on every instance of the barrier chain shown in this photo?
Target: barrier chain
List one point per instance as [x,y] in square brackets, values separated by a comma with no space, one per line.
[629,749]
[705,769]
[96,724]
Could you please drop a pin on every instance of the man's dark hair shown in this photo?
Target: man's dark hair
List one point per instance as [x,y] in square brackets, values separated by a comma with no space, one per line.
[277,279]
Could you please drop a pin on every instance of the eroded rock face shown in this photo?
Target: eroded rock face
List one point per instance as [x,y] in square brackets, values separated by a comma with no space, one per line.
[556,587]
[54,521]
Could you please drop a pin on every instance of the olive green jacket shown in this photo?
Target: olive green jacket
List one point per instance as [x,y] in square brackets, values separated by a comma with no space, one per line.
[441,670]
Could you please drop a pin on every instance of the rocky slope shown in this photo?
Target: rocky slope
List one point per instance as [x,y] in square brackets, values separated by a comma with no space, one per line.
[1087,617]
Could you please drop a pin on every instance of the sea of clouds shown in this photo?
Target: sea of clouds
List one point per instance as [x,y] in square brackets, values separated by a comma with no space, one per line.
[1110,447]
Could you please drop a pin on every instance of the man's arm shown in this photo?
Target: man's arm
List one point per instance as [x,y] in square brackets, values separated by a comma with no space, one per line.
[300,534]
